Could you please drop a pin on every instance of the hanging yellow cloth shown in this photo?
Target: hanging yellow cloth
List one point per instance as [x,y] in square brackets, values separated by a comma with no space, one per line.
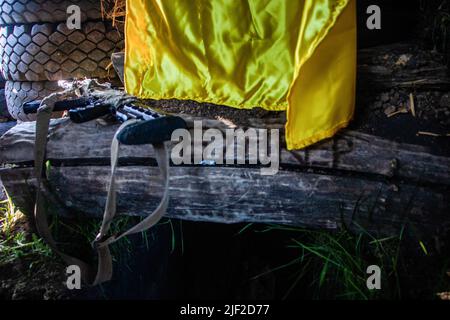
[294,55]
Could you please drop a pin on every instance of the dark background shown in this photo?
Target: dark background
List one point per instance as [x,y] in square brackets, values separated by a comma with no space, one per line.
[401,20]
[425,21]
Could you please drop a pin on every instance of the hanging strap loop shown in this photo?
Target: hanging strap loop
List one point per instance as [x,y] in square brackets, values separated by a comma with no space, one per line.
[101,244]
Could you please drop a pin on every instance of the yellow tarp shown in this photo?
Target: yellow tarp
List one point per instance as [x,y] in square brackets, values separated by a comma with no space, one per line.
[294,55]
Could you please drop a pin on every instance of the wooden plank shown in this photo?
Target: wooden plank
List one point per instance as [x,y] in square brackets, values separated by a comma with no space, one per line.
[435,78]
[348,151]
[231,195]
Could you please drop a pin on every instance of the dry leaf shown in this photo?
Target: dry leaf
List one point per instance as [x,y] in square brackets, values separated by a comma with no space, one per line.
[444,296]
[432,134]
[402,110]
[403,60]
[412,107]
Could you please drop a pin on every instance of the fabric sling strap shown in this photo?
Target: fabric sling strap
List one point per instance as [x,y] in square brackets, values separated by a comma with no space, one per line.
[102,241]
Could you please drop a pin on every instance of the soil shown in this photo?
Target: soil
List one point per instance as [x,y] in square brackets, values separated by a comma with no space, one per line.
[239,117]
[387,112]
[21,280]
[31,275]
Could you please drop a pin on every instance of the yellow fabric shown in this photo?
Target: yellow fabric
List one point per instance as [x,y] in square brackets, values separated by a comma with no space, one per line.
[294,55]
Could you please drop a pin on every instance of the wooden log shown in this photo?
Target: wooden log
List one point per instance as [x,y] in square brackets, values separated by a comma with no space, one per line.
[372,75]
[349,151]
[232,195]
[354,180]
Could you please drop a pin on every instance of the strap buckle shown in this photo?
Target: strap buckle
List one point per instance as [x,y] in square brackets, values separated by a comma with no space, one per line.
[102,241]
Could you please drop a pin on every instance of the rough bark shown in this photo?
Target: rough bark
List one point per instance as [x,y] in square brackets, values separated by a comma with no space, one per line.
[353,180]
[349,151]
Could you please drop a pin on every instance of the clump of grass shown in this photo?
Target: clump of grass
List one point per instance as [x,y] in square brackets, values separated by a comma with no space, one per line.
[76,236]
[15,241]
[18,247]
[113,10]
[333,265]
[436,24]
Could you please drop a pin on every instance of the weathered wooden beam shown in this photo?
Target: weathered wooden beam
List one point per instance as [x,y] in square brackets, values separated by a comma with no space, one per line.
[373,75]
[353,179]
[231,195]
[349,151]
